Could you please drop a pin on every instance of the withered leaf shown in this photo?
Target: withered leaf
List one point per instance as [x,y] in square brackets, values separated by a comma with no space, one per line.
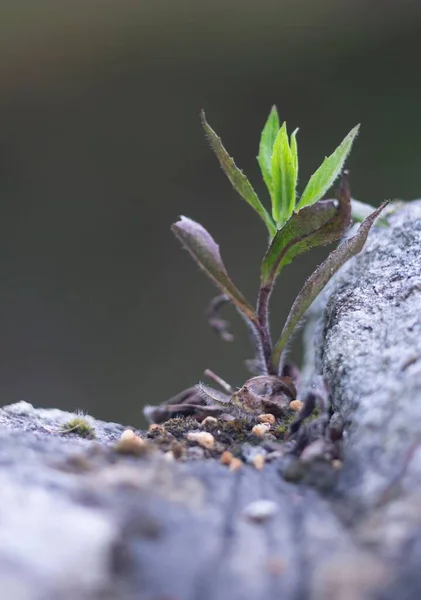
[205,252]
[212,396]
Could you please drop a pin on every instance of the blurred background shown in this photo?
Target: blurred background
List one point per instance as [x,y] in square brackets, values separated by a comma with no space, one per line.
[101,149]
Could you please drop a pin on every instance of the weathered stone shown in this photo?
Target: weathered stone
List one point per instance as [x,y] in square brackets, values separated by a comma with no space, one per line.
[79,519]
[364,337]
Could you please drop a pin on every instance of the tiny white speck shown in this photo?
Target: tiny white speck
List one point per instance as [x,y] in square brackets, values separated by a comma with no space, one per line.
[260,510]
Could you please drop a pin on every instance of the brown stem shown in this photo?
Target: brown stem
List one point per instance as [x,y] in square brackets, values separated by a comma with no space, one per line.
[218,380]
[219,325]
[263,325]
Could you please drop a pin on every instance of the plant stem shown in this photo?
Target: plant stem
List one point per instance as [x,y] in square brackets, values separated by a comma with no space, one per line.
[263,326]
[219,325]
[223,384]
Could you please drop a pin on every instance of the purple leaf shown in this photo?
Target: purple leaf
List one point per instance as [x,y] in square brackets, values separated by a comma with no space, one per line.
[317,281]
[205,252]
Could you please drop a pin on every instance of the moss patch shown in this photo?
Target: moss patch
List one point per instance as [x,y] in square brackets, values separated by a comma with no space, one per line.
[229,435]
[280,429]
[79,426]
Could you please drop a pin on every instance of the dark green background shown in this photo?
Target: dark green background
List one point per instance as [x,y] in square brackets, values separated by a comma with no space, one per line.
[101,149]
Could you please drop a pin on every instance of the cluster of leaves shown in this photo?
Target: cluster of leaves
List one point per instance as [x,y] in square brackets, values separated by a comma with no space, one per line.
[296,224]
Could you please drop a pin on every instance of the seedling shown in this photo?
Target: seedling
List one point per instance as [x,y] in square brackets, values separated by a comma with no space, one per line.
[295,224]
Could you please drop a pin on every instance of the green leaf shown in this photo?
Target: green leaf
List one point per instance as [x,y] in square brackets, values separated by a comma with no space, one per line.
[316,225]
[295,238]
[267,140]
[294,151]
[317,281]
[205,252]
[284,178]
[328,171]
[237,177]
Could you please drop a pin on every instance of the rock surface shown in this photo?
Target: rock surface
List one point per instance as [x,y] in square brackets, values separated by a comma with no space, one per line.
[364,336]
[78,520]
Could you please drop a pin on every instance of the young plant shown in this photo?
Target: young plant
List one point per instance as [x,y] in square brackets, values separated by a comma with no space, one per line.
[295,224]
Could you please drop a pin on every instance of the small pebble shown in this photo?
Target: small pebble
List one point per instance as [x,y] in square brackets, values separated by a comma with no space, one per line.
[235,464]
[209,421]
[177,449]
[337,464]
[259,461]
[226,458]
[260,510]
[296,405]
[203,438]
[249,451]
[266,418]
[169,456]
[260,430]
[130,443]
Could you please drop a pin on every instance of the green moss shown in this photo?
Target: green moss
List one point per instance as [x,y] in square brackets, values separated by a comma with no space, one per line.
[316,413]
[229,435]
[236,426]
[237,432]
[79,426]
[178,427]
[281,429]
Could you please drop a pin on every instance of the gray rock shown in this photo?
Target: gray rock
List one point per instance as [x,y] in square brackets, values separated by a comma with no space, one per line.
[367,344]
[364,337]
[80,521]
